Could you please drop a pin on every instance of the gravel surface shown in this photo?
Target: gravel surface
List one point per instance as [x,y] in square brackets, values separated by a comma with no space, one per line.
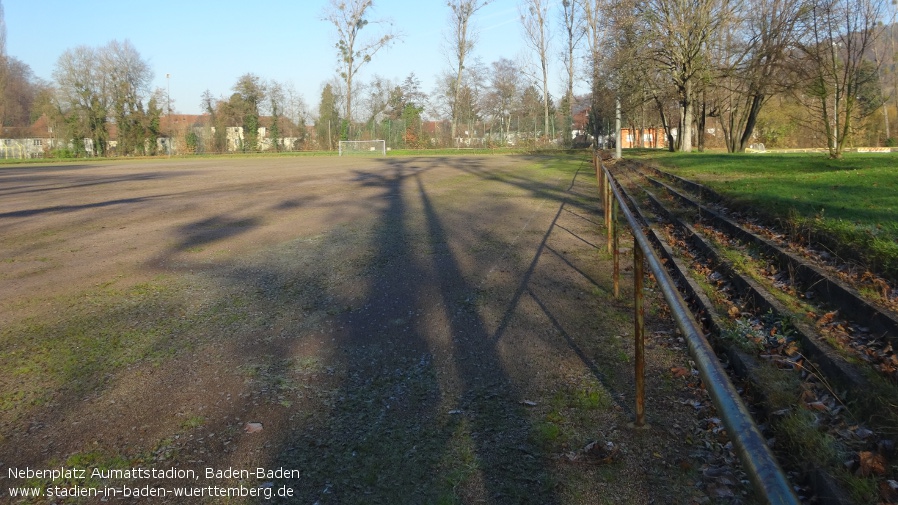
[393,330]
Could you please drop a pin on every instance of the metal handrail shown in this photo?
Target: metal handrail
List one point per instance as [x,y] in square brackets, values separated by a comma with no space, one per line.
[764,472]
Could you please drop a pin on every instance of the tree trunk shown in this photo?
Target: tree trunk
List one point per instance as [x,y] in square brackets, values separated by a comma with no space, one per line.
[349,106]
[545,95]
[750,122]
[687,119]
[700,126]
[665,124]
[461,67]
[729,131]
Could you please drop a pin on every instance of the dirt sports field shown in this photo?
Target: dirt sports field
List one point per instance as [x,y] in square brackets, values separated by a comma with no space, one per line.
[366,330]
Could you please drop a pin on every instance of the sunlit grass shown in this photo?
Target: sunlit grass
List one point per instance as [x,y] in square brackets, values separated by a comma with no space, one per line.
[852,202]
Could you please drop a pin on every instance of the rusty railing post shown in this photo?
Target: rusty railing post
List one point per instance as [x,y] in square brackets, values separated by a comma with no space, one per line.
[615,245]
[639,320]
[609,208]
[606,198]
[595,162]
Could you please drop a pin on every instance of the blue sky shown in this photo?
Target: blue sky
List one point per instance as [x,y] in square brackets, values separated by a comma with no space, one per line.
[208,44]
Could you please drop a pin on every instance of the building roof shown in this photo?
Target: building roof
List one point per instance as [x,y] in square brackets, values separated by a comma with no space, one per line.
[180,121]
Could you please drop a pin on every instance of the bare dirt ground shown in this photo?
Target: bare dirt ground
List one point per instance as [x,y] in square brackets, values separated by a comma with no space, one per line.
[390,330]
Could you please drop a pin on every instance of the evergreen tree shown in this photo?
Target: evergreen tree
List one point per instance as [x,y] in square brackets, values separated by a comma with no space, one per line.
[328,126]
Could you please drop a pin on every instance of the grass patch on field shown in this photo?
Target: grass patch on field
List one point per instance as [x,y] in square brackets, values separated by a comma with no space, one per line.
[852,202]
[92,335]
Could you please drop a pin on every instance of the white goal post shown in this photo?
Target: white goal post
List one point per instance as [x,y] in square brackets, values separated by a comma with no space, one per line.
[374,147]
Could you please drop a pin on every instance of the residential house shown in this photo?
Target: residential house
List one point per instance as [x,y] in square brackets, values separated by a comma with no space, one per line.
[27,142]
[37,140]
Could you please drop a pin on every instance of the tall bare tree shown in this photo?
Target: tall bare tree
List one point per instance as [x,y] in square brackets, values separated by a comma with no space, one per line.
[573,33]
[749,60]
[349,17]
[296,110]
[129,77]
[2,31]
[20,93]
[461,41]
[534,19]
[836,67]
[3,66]
[639,83]
[678,34]
[594,28]
[892,68]
[83,95]
[502,94]
[377,97]
[878,60]
[96,85]
[462,105]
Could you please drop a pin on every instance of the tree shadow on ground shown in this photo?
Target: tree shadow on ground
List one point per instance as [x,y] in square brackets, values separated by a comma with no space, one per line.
[34,181]
[586,215]
[75,208]
[424,412]
[364,353]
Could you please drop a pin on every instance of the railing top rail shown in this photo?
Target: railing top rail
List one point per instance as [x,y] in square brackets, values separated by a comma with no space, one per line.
[765,473]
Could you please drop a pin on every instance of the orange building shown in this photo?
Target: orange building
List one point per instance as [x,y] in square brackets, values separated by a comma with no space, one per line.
[652,138]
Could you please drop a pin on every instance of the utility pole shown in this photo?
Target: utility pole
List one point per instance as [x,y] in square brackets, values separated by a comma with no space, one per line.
[168,106]
[617,149]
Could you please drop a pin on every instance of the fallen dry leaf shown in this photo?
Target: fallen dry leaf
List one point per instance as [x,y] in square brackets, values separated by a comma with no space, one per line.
[680,372]
[871,463]
[826,319]
[792,349]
